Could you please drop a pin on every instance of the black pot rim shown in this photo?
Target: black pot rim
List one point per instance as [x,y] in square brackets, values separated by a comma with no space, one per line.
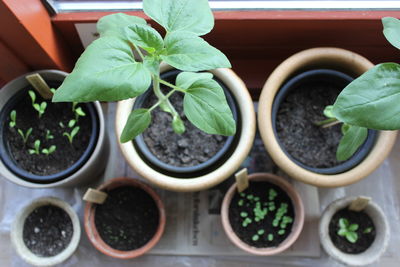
[288,86]
[151,159]
[12,166]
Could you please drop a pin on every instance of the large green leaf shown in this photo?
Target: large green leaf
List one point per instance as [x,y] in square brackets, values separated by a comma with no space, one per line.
[185,79]
[114,24]
[188,52]
[205,106]
[372,100]
[181,15]
[138,121]
[144,36]
[350,142]
[106,71]
[391,30]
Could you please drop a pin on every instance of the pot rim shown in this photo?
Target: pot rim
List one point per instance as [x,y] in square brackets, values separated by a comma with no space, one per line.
[94,236]
[296,227]
[247,133]
[18,225]
[335,58]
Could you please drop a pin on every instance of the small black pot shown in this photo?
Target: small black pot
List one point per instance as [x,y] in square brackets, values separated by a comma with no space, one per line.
[9,161]
[341,80]
[203,168]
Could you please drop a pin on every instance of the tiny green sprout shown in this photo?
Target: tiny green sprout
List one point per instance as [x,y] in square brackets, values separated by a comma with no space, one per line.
[270,237]
[348,230]
[240,202]
[53,90]
[367,230]
[272,194]
[13,119]
[256,199]
[36,148]
[242,194]
[243,214]
[246,222]
[260,232]
[71,135]
[71,123]
[255,237]
[281,232]
[79,113]
[49,135]
[61,124]
[26,135]
[48,151]
[40,108]
[250,197]
[275,223]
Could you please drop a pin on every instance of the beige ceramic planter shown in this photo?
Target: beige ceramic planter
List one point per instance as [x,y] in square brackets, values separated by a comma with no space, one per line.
[296,227]
[94,236]
[18,226]
[247,132]
[332,58]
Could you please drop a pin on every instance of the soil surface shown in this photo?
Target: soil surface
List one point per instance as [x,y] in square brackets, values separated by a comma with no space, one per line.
[312,145]
[364,239]
[128,219]
[47,231]
[191,148]
[66,154]
[261,190]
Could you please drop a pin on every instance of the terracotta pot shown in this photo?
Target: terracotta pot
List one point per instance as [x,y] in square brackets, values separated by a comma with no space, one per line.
[83,171]
[18,226]
[296,227]
[377,248]
[328,58]
[93,235]
[214,177]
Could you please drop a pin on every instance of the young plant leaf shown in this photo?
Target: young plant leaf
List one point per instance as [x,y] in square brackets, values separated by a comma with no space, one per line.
[106,71]
[342,232]
[138,121]
[152,64]
[181,15]
[114,24]
[185,79]
[372,100]
[144,36]
[391,30]
[353,227]
[343,223]
[328,112]
[188,52]
[205,106]
[33,96]
[352,237]
[350,142]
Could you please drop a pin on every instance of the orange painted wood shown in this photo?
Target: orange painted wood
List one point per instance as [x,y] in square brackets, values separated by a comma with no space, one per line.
[10,65]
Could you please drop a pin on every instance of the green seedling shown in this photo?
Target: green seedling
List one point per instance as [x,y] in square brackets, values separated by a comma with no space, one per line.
[240,202]
[257,236]
[13,119]
[348,230]
[25,135]
[122,36]
[40,108]
[49,135]
[367,230]
[71,123]
[48,151]
[72,134]
[61,124]
[281,232]
[270,237]
[246,222]
[243,214]
[272,194]
[36,148]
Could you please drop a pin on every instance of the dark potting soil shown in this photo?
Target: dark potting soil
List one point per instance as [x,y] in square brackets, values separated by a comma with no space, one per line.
[66,154]
[364,240]
[47,231]
[128,219]
[312,145]
[261,190]
[191,148]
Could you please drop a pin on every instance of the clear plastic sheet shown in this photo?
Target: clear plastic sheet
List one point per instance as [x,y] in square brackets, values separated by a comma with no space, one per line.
[383,186]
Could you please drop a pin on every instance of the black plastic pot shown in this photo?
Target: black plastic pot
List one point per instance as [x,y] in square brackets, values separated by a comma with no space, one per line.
[199,169]
[12,165]
[340,79]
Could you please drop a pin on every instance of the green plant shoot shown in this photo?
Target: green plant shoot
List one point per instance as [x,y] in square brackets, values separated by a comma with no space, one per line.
[36,148]
[48,151]
[49,135]
[72,134]
[13,119]
[348,230]
[40,108]
[25,135]
[109,71]
[369,102]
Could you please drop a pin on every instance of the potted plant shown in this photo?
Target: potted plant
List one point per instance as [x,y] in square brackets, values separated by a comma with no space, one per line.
[354,237]
[324,92]
[266,218]
[108,71]
[43,144]
[129,223]
[46,232]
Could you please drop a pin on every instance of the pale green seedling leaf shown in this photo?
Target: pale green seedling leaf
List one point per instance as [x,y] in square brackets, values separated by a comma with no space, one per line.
[188,52]
[343,223]
[372,100]
[328,112]
[350,142]
[74,132]
[145,37]
[205,106]
[32,95]
[391,30]
[353,227]
[71,123]
[181,15]
[80,112]
[114,24]
[106,71]
[342,232]
[351,237]
[138,121]
[185,79]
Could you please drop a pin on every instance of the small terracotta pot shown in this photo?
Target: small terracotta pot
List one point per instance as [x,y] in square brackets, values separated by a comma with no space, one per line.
[93,235]
[296,227]
[377,248]
[328,58]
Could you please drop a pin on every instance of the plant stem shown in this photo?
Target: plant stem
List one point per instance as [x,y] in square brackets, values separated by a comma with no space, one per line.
[162,98]
[325,122]
[165,98]
[139,52]
[331,124]
[171,85]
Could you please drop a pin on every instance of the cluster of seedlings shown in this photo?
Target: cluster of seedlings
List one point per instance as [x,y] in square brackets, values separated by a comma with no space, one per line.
[349,231]
[70,131]
[262,210]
